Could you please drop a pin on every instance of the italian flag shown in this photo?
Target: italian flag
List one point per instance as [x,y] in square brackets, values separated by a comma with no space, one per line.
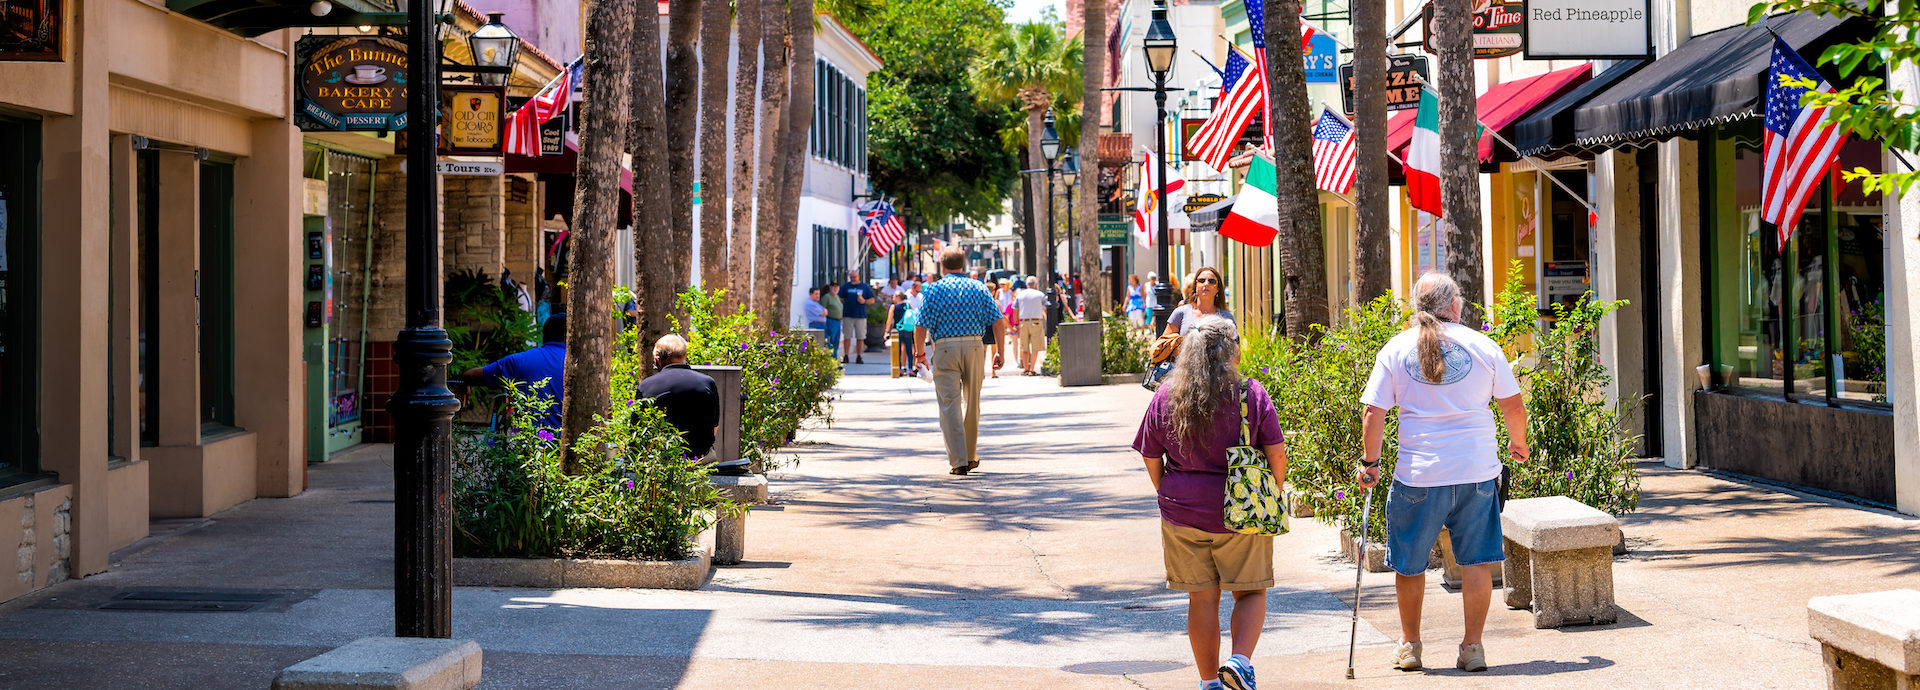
[1423,156]
[1255,218]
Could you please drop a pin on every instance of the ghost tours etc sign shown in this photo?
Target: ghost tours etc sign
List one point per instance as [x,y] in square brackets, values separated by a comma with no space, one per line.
[351,83]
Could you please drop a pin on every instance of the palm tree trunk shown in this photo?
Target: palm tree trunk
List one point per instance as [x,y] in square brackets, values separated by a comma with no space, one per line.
[746,82]
[1372,271]
[609,53]
[653,188]
[1042,206]
[769,252]
[1093,75]
[683,123]
[1303,254]
[1459,164]
[1024,207]
[716,30]
[794,146]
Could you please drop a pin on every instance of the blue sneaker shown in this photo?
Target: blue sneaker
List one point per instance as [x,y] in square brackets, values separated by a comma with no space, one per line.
[1238,673]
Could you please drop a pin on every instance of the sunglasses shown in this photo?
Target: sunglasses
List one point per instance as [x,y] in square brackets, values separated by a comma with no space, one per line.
[1207,281]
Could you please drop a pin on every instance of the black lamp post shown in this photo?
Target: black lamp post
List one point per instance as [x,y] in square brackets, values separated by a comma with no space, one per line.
[1069,174]
[422,407]
[1160,48]
[1050,149]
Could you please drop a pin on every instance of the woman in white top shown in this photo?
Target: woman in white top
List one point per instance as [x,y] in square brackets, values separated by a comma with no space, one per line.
[1206,293]
[1442,375]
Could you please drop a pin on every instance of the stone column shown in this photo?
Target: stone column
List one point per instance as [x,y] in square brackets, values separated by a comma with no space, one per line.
[1903,325]
[1616,266]
[74,236]
[268,263]
[1680,319]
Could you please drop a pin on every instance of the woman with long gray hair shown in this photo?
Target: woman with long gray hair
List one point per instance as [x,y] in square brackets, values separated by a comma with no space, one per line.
[1194,418]
[1442,375]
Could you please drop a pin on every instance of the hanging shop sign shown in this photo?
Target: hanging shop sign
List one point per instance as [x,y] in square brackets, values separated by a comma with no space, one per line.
[471,168]
[1256,133]
[1115,230]
[553,134]
[1404,76]
[1323,60]
[32,31]
[1189,126]
[1588,29]
[1497,28]
[472,120]
[1200,201]
[351,84]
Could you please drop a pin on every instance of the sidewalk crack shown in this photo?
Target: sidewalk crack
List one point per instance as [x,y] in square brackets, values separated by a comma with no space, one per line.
[1040,567]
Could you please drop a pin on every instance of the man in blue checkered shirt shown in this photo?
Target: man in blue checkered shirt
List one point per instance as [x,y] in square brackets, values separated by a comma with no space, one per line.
[955,313]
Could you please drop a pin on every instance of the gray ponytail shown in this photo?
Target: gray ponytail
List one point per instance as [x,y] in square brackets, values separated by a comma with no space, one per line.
[1433,299]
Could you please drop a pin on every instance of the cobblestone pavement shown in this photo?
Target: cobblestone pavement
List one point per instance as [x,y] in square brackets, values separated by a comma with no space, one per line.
[874,567]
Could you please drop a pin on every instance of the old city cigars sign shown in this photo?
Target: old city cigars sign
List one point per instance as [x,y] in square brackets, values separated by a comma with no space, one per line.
[351,83]
[1497,28]
[471,119]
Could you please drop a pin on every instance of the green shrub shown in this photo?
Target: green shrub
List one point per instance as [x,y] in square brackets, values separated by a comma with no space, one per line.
[639,497]
[1316,392]
[483,321]
[785,378]
[1050,366]
[1123,348]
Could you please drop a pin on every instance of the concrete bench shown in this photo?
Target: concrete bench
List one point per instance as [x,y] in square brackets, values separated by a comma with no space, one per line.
[412,663]
[1869,640]
[730,531]
[1560,561]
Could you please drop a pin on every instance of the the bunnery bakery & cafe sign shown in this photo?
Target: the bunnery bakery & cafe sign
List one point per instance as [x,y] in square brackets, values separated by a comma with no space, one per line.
[351,83]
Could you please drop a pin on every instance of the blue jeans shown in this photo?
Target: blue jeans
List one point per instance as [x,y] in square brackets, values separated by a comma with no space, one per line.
[1470,512]
[833,336]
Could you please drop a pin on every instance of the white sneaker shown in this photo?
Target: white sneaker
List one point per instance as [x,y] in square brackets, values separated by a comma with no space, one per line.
[1406,657]
[1473,657]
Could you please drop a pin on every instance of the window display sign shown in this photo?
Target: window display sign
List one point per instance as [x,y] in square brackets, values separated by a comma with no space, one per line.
[350,83]
[1588,29]
[1403,88]
[1323,60]
[471,120]
[32,29]
[1497,28]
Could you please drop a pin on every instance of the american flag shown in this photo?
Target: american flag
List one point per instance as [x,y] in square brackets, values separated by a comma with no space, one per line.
[523,125]
[1243,94]
[1333,153]
[1800,144]
[882,226]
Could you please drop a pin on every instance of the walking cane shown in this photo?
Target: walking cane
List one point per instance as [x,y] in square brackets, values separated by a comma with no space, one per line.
[1353,631]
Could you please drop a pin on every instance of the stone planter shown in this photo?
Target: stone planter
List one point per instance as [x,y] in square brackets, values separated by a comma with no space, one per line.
[1080,354]
[1376,552]
[1297,504]
[1450,572]
[556,573]
[1115,379]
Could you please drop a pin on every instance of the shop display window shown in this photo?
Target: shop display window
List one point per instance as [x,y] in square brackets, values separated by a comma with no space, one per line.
[1804,319]
[19,299]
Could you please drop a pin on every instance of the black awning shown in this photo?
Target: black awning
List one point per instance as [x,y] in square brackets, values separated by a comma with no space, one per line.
[1207,218]
[1715,77]
[1551,126]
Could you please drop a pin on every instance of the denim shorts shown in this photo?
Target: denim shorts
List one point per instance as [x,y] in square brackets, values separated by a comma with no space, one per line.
[1470,512]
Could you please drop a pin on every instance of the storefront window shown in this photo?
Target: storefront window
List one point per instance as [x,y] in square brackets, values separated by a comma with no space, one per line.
[1804,319]
[216,296]
[146,200]
[19,299]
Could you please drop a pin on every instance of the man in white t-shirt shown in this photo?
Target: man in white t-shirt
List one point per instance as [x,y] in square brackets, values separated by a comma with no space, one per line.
[1449,464]
[1030,304]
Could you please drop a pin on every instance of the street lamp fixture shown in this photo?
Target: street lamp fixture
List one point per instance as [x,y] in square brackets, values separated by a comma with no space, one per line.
[1160,45]
[1050,139]
[494,45]
[1069,169]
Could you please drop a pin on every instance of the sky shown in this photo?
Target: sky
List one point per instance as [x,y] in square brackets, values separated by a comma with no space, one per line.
[1029,10]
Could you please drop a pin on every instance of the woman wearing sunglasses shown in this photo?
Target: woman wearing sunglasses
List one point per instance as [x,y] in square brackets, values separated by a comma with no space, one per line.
[1206,295]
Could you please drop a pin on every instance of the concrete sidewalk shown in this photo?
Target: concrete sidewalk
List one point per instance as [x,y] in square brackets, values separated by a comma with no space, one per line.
[876,567]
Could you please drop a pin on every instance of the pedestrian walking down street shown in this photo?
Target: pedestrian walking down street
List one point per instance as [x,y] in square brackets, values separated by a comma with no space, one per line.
[1206,295]
[957,312]
[991,338]
[1136,304]
[830,300]
[1442,375]
[1195,416]
[857,294]
[901,320]
[1030,305]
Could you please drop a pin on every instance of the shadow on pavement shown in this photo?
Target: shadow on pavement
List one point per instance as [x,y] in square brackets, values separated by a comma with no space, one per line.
[1006,502]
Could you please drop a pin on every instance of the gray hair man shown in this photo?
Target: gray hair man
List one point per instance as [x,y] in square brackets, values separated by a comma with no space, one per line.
[956,313]
[1030,306]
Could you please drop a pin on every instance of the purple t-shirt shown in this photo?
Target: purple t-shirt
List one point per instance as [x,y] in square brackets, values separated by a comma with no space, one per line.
[1193,487]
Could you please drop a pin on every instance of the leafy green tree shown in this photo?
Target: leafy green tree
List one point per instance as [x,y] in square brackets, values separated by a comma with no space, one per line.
[1866,106]
[1031,66]
[931,142]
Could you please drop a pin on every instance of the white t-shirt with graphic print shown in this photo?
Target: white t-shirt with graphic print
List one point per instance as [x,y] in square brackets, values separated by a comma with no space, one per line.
[1446,429]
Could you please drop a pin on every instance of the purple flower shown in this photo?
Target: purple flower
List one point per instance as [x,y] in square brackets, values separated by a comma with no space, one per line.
[1266,370]
[631,403]
[629,484]
[1343,346]
[1340,495]
[776,381]
[804,344]
[781,342]
[1569,476]
[1485,328]
[546,435]
[743,346]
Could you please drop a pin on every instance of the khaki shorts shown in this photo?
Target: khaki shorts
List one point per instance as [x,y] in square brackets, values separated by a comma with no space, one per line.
[1033,335]
[1198,561]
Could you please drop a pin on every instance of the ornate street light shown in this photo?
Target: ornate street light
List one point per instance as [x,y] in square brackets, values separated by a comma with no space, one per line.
[494,45]
[1050,149]
[1049,139]
[1160,48]
[1070,173]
